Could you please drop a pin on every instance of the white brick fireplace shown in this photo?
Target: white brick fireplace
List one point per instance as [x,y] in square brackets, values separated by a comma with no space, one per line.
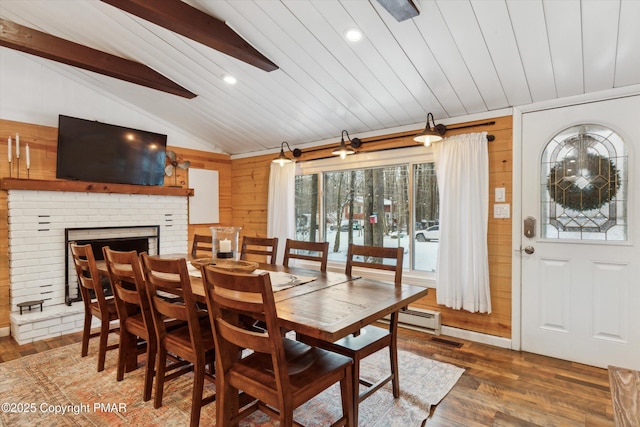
[37,223]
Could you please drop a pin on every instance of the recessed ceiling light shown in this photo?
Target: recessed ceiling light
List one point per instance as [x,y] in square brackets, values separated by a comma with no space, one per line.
[230,80]
[353,34]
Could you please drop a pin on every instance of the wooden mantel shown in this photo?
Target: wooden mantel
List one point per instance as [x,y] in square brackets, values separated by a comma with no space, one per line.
[91,187]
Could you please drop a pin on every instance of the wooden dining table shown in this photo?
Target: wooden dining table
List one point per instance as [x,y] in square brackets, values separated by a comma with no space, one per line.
[331,305]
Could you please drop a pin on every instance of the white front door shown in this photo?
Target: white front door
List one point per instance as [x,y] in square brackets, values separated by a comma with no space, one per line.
[581,269]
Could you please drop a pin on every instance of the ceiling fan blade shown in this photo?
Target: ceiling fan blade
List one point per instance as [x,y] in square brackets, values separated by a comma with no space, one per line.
[168,170]
[171,155]
[184,165]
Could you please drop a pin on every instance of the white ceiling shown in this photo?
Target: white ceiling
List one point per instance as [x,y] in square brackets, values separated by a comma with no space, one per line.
[457,58]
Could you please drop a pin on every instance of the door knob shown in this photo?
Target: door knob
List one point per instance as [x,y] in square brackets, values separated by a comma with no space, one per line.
[529,250]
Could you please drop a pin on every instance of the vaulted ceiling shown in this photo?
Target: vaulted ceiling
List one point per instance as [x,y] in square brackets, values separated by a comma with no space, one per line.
[456,58]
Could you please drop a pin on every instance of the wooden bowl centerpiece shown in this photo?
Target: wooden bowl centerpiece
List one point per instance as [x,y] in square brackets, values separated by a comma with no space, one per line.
[226,264]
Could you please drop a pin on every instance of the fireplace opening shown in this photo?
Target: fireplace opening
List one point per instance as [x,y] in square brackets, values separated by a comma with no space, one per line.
[134,238]
[131,244]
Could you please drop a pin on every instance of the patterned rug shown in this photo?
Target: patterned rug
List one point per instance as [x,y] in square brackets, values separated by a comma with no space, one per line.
[59,388]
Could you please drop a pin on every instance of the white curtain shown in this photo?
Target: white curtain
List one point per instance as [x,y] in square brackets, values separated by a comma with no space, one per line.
[281,206]
[462,169]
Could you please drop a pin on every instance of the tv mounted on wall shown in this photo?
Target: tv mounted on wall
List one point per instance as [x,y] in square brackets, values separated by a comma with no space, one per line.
[101,152]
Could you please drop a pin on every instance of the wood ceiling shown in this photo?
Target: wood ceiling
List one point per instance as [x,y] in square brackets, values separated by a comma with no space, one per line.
[455,58]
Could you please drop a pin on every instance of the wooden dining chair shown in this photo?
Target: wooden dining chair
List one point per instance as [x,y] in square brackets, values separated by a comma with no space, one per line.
[201,243]
[192,343]
[259,248]
[134,311]
[279,373]
[370,339]
[95,302]
[308,251]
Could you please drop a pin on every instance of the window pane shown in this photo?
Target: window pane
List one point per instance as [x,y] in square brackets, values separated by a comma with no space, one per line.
[426,214]
[377,206]
[367,207]
[307,208]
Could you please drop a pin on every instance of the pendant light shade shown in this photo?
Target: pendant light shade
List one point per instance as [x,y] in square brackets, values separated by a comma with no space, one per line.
[282,159]
[343,149]
[432,132]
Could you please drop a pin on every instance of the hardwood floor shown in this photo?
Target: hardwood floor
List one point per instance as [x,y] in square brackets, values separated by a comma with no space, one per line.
[500,387]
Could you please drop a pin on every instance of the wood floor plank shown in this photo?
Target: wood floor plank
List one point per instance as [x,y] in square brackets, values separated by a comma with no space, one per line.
[500,387]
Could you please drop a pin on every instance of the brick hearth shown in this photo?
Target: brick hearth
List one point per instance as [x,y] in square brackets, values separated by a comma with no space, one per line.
[37,222]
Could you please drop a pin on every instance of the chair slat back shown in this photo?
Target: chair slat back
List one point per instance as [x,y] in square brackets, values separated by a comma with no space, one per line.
[170,276]
[202,243]
[128,284]
[374,257]
[233,295]
[261,247]
[88,275]
[309,251]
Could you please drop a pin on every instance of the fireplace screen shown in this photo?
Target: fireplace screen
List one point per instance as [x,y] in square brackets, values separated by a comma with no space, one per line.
[144,238]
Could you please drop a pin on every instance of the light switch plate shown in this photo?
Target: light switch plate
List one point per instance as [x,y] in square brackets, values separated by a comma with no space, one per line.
[501,210]
[500,194]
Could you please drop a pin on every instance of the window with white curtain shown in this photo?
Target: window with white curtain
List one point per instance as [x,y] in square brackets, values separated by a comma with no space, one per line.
[380,199]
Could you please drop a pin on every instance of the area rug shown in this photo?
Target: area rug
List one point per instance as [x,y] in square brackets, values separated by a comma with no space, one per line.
[60,388]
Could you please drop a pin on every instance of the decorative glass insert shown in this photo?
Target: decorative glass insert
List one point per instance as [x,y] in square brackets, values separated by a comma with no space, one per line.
[584,185]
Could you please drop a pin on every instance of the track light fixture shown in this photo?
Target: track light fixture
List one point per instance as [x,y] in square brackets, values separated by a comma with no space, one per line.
[432,132]
[282,159]
[344,150]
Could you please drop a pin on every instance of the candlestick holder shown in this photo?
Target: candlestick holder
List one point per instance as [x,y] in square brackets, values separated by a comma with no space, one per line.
[18,167]
[224,242]
[10,168]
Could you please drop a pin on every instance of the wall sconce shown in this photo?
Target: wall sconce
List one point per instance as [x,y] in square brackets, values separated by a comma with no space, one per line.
[344,150]
[282,159]
[432,132]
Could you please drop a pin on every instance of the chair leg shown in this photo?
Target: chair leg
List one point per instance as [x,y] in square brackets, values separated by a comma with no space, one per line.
[160,374]
[395,381]
[198,385]
[393,354]
[346,393]
[149,370]
[355,378]
[286,414]
[86,333]
[224,412]
[102,350]
[122,353]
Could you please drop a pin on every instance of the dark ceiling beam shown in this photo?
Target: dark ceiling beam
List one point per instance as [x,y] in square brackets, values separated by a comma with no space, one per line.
[400,9]
[34,42]
[196,25]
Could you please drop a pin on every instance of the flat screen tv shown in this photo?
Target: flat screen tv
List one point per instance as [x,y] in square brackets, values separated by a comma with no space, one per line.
[100,152]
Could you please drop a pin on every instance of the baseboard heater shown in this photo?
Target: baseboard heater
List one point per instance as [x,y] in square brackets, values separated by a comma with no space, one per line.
[419,319]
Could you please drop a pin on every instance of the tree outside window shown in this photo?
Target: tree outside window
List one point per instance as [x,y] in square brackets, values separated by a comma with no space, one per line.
[373,206]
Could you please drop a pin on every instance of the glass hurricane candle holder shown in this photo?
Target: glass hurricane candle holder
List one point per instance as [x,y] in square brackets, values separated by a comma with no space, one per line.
[224,242]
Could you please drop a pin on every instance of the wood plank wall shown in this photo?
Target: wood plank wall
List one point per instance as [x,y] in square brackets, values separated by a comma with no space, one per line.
[499,237]
[243,202]
[42,142]
[250,178]
[208,161]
